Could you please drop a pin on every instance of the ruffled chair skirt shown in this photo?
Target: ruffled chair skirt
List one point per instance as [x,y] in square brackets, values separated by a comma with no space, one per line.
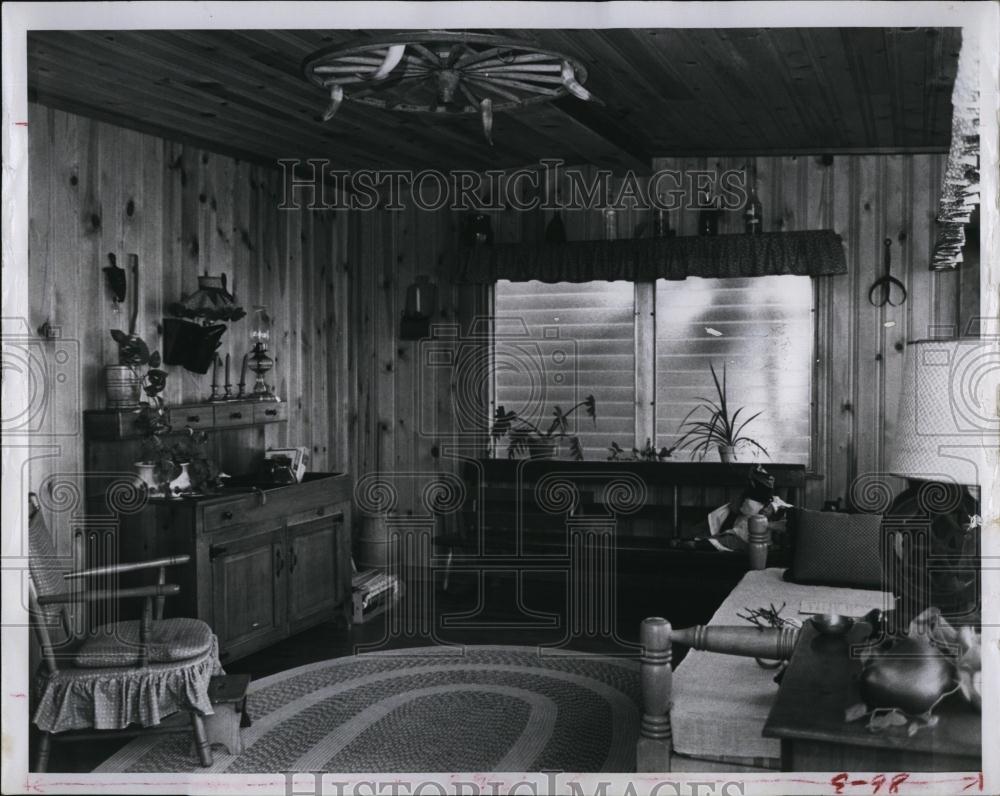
[112,699]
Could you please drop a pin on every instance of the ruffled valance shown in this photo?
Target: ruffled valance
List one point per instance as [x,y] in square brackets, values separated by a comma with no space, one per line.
[808,253]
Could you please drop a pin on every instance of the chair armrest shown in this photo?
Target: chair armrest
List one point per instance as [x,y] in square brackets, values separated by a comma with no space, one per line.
[132,566]
[773,643]
[160,590]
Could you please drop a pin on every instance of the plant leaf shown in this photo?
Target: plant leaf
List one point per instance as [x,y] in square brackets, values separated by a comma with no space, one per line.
[575,450]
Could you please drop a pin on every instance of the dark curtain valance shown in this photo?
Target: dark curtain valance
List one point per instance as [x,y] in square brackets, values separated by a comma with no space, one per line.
[809,253]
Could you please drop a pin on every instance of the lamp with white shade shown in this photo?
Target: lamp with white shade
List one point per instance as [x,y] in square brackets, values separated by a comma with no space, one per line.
[945,419]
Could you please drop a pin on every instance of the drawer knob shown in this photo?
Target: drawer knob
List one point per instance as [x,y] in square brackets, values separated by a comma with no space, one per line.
[235,415]
[271,412]
[194,418]
[227,515]
[255,625]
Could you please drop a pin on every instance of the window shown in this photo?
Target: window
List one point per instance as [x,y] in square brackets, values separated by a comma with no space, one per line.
[557,343]
[761,329]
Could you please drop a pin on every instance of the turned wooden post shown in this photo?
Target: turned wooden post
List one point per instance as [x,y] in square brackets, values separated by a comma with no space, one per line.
[773,643]
[655,738]
[759,536]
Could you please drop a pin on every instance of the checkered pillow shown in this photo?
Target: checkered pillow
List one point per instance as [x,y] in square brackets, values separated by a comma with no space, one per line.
[833,549]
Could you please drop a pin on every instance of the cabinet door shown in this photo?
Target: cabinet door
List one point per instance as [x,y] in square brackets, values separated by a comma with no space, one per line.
[248,591]
[315,586]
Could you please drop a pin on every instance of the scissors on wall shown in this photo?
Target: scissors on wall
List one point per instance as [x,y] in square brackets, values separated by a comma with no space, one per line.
[885,283]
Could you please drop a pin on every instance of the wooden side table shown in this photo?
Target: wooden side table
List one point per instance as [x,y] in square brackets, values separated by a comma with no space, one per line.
[821,682]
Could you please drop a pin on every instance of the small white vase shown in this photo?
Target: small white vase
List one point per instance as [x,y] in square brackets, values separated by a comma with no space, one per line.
[146,471]
[182,483]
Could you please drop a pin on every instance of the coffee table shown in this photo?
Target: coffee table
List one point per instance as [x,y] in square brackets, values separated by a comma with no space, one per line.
[818,686]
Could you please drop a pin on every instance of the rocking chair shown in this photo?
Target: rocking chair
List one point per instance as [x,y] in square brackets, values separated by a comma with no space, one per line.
[118,679]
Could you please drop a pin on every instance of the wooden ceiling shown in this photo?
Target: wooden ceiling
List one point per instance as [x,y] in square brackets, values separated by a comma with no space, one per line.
[667,92]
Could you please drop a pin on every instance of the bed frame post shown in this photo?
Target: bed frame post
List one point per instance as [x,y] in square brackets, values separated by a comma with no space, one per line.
[655,737]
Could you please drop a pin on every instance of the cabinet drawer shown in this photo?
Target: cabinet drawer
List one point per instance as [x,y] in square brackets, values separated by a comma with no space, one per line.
[225,515]
[335,511]
[233,414]
[270,412]
[199,416]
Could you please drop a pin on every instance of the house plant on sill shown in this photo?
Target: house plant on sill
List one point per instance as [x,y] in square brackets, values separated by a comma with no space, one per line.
[525,439]
[721,429]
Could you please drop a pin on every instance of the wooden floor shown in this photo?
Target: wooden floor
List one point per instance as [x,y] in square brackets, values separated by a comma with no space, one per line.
[467,615]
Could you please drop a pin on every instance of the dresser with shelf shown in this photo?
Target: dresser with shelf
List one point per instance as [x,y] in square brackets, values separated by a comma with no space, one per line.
[266,561]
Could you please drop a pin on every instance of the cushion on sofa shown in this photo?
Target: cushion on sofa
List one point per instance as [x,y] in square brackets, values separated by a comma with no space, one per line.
[834,549]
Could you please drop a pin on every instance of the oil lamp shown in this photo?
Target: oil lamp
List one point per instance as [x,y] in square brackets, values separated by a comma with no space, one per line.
[259,361]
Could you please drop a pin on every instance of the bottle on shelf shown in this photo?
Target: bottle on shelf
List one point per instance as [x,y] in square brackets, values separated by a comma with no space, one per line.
[753,211]
[708,214]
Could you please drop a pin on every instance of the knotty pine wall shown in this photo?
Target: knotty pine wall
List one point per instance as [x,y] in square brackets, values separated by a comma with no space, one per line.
[336,284]
[96,188]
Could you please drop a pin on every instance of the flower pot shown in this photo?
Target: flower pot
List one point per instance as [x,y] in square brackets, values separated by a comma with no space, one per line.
[147,474]
[122,386]
[727,453]
[541,449]
[182,483]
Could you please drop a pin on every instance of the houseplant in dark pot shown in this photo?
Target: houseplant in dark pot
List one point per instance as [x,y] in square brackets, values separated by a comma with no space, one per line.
[721,428]
[199,473]
[124,382]
[153,423]
[527,440]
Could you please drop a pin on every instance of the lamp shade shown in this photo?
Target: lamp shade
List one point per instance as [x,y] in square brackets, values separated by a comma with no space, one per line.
[946,410]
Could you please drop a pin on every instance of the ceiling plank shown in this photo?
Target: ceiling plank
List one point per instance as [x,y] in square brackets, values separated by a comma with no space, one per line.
[680,92]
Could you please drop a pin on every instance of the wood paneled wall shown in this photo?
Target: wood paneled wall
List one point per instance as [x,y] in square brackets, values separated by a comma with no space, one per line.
[96,188]
[335,284]
[404,412]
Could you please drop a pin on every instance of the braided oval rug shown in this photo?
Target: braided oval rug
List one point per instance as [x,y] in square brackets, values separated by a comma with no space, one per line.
[434,709]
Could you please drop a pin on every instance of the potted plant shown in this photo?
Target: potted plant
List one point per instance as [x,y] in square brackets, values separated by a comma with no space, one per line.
[721,429]
[649,453]
[525,438]
[124,382]
[198,471]
[152,422]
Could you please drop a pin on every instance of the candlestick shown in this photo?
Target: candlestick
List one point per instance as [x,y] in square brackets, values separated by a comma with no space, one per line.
[243,375]
[215,379]
[229,386]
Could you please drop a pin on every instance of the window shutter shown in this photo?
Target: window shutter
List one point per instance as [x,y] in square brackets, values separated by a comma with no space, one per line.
[556,343]
[761,328]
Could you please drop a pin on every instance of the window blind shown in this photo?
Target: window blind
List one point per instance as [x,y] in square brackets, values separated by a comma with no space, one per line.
[556,343]
[761,329]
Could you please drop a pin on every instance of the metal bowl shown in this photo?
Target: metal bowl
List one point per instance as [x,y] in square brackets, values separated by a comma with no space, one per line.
[832,624]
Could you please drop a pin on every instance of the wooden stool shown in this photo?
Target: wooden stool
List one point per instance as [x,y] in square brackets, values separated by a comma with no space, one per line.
[228,694]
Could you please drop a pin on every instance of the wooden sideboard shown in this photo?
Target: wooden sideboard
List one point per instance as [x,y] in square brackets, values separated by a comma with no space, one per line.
[264,563]
[653,502]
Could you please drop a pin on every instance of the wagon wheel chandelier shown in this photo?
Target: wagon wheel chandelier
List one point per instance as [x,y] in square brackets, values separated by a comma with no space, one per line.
[446,74]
